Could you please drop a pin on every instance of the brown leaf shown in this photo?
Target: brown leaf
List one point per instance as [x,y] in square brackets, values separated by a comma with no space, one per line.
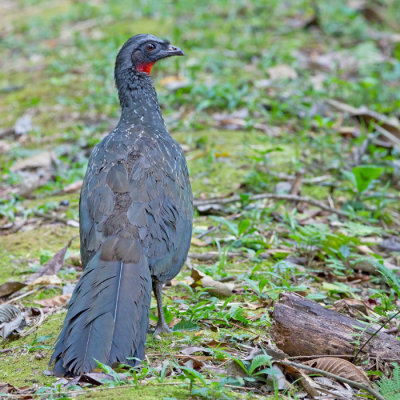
[73,187]
[217,344]
[341,367]
[194,362]
[53,265]
[312,388]
[212,286]
[281,71]
[31,180]
[353,307]
[8,288]
[40,160]
[46,280]
[55,301]
[254,306]
[7,388]
[197,242]
[188,351]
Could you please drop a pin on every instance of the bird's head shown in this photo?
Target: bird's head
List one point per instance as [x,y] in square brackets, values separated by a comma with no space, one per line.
[141,52]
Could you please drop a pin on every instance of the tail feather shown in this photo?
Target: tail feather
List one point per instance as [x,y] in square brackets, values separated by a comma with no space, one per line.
[108,317]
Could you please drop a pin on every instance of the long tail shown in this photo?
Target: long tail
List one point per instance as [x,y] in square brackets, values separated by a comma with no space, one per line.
[107,318]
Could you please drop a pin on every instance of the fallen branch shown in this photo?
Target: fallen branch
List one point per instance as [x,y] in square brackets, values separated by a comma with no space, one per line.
[357,385]
[302,327]
[273,196]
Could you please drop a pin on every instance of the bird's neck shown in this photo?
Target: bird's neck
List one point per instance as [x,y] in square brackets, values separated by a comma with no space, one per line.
[138,99]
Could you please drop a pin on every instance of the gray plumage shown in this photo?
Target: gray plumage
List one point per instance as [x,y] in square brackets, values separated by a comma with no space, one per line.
[135,223]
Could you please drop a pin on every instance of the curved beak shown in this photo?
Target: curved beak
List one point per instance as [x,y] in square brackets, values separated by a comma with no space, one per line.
[174,51]
[170,51]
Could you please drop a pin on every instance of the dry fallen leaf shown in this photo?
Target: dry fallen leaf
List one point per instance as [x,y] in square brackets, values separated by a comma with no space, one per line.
[197,242]
[8,288]
[352,307]
[8,388]
[53,265]
[281,71]
[212,286]
[31,180]
[73,187]
[46,280]
[39,160]
[276,377]
[340,367]
[56,301]
[311,387]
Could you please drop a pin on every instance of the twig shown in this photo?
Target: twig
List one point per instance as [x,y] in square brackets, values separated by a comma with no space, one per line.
[274,196]
[22,296]
[319,355]
[297,184]
[333,376]
[10,349]
[214,255]
[243,328]
[83,391]
[50,217]
[378,195]
[312,181]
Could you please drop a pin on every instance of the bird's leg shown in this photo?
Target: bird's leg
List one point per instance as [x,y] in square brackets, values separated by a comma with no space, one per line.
[161,324]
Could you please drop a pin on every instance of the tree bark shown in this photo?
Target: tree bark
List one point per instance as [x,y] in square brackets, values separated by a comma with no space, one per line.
[301,327]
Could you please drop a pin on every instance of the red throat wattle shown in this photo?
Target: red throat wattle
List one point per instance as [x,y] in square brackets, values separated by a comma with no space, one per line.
[145,67]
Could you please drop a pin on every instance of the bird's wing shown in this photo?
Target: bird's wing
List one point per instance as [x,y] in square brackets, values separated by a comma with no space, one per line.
[161,207]
[146,197]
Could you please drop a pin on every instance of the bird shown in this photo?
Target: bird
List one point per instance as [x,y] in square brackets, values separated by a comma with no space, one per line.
[135,217]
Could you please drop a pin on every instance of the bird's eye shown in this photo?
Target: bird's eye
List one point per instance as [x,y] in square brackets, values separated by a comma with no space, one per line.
[150,46]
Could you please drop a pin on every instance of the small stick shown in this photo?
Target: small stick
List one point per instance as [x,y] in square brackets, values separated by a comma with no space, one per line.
[22,296]
[50,217]
[274,196]
[214,255]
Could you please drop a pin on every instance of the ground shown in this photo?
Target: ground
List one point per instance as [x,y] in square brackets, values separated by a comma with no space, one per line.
[266,101]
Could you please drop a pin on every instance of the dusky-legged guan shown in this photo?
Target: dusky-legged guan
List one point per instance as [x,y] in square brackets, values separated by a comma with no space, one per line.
[136,211]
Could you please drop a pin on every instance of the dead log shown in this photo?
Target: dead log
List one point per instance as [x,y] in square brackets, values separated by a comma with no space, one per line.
[301,327]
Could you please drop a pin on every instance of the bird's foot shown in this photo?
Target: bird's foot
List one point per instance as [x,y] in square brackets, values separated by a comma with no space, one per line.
[162,328]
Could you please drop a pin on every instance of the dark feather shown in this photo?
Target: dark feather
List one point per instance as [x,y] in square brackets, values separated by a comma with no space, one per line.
[107,318]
